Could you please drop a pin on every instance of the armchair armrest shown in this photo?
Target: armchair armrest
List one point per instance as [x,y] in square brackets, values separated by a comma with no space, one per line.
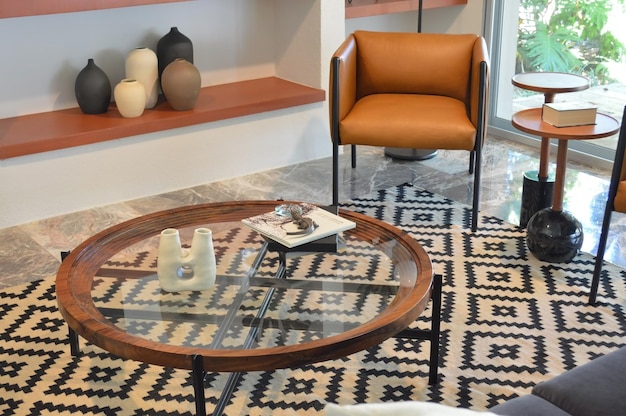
[479,54]
[343,83]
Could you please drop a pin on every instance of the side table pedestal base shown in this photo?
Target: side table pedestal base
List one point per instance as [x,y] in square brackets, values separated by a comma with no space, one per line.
[410,154]
[554,236]
[536,195]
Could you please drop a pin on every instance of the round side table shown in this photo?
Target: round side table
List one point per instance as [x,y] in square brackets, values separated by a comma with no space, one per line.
[555,235]
[538,188]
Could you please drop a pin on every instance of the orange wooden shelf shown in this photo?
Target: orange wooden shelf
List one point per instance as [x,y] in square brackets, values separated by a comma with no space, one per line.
[363,8]
[42,132]
[17,8]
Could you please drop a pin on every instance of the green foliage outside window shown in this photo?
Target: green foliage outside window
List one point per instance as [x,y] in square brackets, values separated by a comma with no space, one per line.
[568,36]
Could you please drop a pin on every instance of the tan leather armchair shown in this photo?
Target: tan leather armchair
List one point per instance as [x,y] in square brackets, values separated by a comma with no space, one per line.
[616,201]
[410,90]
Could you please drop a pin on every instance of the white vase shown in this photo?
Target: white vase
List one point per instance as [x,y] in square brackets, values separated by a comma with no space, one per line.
[142,65]
[179,269]
[130,98]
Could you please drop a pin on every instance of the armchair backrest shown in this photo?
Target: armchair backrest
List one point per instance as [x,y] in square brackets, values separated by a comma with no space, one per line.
[420,63]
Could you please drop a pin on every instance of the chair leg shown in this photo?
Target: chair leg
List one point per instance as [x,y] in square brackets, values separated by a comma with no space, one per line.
[472,161]
[334,122]
[476,191]
[616,177]
[435,329]
[478,146]
[335,173]
[597,270]
[353,155]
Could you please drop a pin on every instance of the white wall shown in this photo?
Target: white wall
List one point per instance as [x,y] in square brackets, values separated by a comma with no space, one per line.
[233,40]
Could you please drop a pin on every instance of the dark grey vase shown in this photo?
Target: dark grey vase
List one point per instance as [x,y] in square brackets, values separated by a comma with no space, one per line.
[172,46]
[92,89]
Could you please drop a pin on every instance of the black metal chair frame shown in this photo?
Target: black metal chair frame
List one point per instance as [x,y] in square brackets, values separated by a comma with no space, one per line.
[608,211]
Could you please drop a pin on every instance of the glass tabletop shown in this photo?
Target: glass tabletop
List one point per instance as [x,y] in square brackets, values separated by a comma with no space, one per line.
[318,295]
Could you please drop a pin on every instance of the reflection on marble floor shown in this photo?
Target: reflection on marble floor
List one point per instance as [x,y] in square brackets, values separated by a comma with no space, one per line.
[31,251]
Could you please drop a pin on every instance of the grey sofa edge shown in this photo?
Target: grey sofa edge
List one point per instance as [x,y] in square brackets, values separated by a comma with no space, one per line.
[595,388]
[528,405]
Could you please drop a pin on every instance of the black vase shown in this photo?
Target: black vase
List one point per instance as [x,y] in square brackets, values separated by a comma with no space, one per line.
[92,89]
[172,46]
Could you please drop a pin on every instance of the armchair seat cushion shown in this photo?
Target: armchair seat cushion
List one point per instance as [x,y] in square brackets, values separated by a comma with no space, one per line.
[443,122]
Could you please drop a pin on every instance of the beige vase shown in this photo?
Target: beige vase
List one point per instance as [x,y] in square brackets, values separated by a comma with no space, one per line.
[130,98]
[180,269]
[142,65]
[181,83]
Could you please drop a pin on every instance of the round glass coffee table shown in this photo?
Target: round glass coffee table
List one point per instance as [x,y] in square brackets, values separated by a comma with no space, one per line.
[270,307]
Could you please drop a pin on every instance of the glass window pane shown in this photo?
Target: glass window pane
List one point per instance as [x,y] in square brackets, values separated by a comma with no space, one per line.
[585,38]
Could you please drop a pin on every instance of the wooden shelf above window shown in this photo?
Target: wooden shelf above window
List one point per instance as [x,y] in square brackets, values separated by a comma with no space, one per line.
[363,8]
[42,132]
[18,8]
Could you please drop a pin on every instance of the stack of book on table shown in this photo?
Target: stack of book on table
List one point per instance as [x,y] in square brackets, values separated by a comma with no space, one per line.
[569,114]
[280,226]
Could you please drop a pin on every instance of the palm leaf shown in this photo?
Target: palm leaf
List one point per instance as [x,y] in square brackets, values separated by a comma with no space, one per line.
[550,50]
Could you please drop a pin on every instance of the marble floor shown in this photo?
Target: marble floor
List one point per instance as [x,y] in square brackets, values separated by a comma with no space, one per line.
[31,251]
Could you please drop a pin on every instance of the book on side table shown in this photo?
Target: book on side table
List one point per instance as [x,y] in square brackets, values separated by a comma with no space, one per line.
[281,227]
[569,114]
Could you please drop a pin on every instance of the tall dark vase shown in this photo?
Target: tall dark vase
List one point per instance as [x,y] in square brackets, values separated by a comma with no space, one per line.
[172,46]
[92,89]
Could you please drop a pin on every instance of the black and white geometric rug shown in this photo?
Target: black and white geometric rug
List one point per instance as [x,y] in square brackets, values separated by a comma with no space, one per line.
[509,321]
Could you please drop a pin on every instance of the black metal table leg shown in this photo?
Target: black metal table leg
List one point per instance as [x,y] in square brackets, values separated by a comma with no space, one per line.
[72,335]
[198,374]
[433,333]
[74,345]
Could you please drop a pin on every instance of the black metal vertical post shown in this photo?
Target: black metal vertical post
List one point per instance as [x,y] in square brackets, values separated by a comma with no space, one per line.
[608,210]
[420,7]
[335,128]
[480,133]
